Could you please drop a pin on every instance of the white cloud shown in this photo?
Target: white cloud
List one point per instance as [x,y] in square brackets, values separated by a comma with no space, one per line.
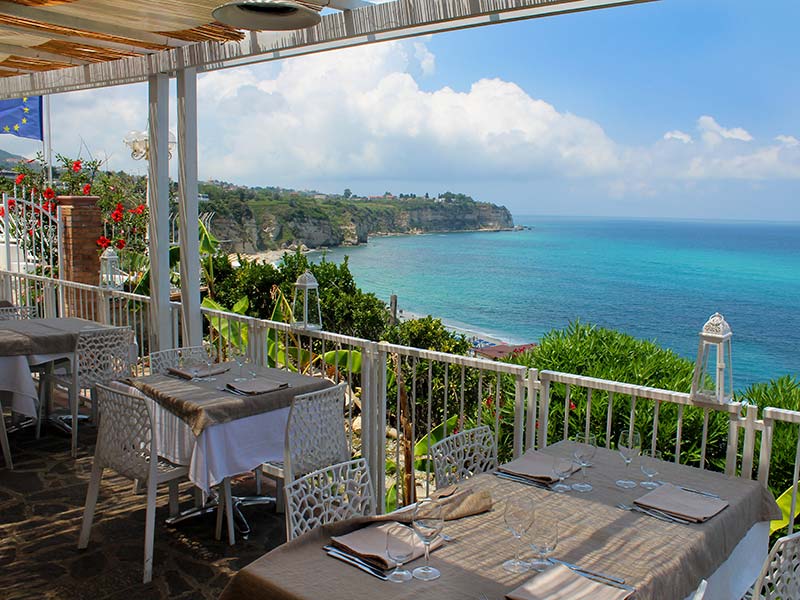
[676,134]
[426,58]
[787,140]
[359,117]
[713,133]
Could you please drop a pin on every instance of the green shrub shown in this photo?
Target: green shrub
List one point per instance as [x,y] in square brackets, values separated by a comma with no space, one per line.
[591,351]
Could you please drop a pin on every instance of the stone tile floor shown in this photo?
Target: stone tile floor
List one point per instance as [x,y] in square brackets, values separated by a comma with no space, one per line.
[41,506]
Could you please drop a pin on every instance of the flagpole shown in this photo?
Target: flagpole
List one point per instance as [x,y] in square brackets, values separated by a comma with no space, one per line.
[47,145]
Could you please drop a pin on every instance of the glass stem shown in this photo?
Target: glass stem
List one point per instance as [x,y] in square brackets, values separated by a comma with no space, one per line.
[583,471]
[427,553]
[516,548]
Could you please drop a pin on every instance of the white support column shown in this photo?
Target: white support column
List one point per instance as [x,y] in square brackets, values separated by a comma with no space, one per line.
[192,319]
[158,197]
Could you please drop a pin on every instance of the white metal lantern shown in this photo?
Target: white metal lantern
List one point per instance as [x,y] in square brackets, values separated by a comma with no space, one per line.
[711,384]
[109,270]
[308,312]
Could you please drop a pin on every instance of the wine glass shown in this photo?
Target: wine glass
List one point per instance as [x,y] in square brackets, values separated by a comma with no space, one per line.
[629,447]
[544,539]
[518,516]
[650,469]
[428,521]
[399,550]
[583,452]
[240,358]
[562,468]
[208,359]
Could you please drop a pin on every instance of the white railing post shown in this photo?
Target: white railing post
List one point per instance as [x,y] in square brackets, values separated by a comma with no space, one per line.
[103,298]
[544,409]
[533,385]
[381,383]
[519,414]
[49,300]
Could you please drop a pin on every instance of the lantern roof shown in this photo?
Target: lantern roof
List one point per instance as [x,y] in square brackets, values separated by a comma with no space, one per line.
[306,281]
[717,327]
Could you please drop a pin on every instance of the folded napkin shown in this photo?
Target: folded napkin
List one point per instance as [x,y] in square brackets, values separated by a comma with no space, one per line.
[260,385]
[673,500]
[369,543]
[190,373]
[533,465]
[560,583]
[457,502]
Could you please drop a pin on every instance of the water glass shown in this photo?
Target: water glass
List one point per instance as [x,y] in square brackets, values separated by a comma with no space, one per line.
[518,516]
[428,522]
[399,549]
[544,539]
[562,468]
[650,466]
[629,447]
[240,357]
[585,448]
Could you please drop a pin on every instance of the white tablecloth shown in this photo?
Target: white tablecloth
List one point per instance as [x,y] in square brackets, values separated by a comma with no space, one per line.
[220,450]
[736,575]
[15,378]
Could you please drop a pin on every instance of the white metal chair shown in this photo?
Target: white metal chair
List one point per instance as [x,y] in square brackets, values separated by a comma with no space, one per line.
[780,576]
[328,495]
[164,359]
[101,356]
[462,455]
[315,437]
[700,592]
[127,443]
[9,313]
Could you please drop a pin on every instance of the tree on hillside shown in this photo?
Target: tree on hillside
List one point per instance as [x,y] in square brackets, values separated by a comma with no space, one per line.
[347,193]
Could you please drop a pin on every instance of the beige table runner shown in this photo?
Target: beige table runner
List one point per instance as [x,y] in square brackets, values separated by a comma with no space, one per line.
[664,561]
[202,404]
[42,336]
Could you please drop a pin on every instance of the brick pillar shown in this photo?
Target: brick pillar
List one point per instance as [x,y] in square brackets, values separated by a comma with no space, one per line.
[82,226]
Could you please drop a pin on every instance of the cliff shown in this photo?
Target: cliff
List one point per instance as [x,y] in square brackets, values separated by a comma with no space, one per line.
[285,222]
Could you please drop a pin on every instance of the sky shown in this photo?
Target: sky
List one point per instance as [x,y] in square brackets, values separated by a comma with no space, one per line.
[669,109]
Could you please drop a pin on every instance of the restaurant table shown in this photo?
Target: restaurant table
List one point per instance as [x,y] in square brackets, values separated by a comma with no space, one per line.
[30,342]
[220,434]
[663,561]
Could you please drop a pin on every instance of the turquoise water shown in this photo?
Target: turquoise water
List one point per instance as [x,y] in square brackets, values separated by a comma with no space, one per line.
[657,280]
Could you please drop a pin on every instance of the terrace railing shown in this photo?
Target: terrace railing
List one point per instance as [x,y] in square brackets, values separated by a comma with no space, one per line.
[401,400]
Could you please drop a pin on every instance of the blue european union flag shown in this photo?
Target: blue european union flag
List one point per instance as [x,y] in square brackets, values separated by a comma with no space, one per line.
[22,117]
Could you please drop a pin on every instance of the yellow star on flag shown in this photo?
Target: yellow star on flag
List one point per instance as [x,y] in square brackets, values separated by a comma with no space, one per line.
[16,127]
[24,120]
[24,98]
[26,109]
[6,128]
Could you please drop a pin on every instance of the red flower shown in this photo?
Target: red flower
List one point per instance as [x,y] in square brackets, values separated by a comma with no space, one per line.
[120,207]
[116,216]
[46,206]
[572,405]
[138,210]
[76,166]
[19,178]
[120,244]
[11,203]
[2,212]
[49,193]
[86,189]
[103,242]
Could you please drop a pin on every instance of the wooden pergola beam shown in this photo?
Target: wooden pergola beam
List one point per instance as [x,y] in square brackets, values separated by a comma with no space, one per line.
[39,54]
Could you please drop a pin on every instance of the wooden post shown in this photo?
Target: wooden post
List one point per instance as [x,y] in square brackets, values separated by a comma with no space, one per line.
[80,260]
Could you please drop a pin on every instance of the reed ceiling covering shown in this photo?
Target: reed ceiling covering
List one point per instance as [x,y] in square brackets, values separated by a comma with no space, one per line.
[53,46]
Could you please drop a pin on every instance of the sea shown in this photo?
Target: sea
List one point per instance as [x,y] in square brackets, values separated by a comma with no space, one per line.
[656,280]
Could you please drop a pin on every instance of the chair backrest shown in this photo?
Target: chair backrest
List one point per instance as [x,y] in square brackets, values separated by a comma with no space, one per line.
[104,355]
[315,434]
[164,359]
[10,313]
[462,455]
[125,440]
[780,575]
[700,592]
[328,495]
